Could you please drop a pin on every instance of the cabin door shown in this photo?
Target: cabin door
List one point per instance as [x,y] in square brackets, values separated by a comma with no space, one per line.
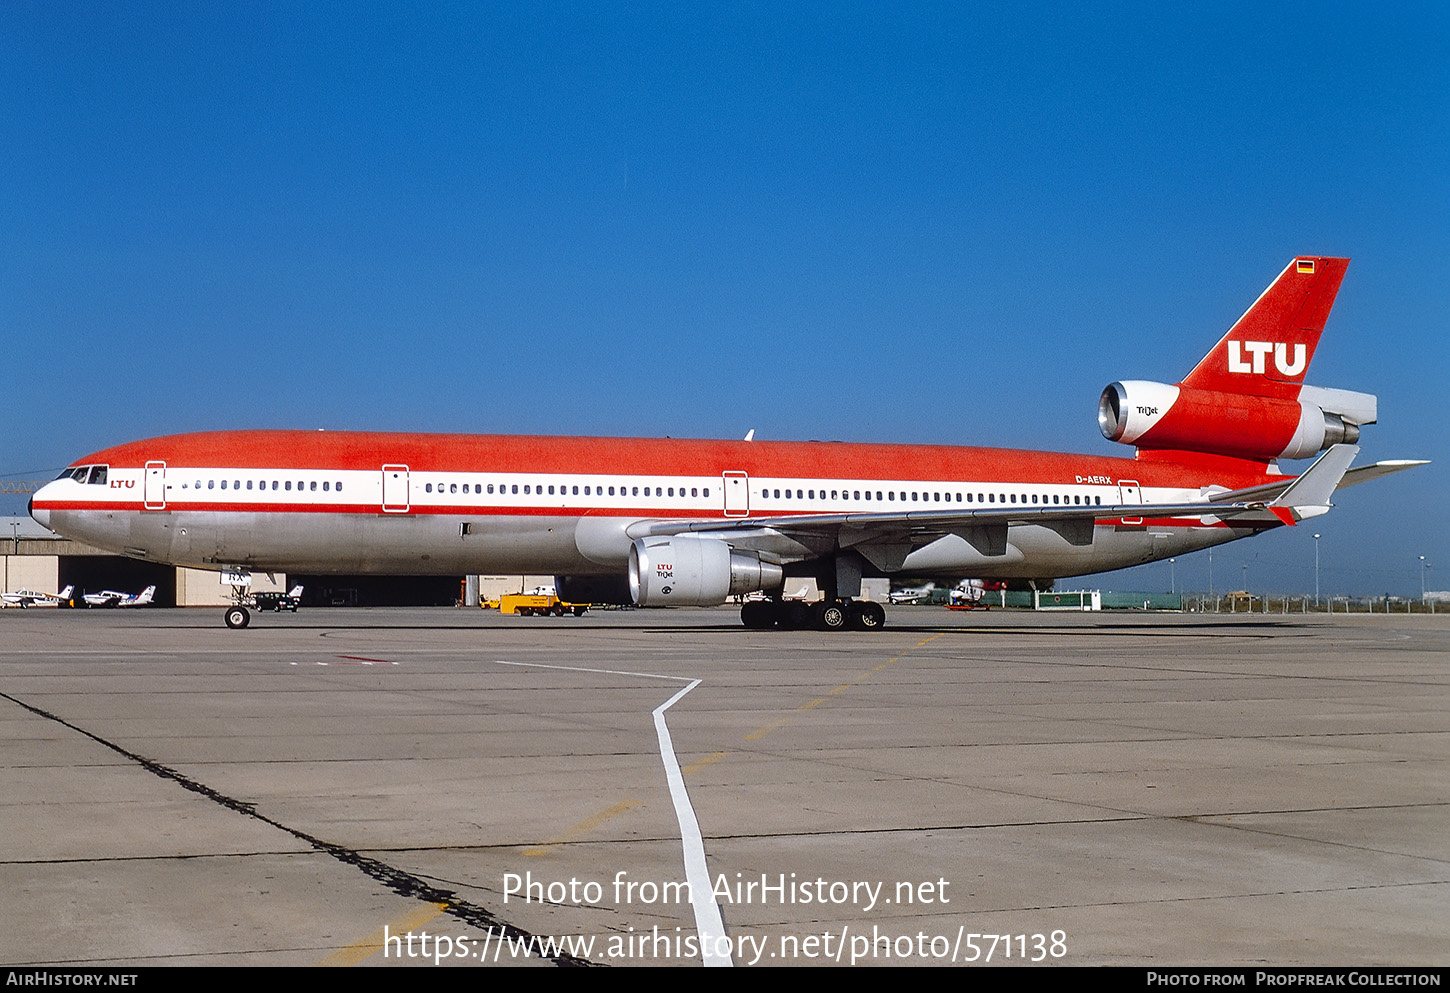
[155,486]
[395,489]
[737,494]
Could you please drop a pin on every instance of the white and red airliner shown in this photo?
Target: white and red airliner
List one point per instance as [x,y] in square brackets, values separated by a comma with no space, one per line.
[662,522]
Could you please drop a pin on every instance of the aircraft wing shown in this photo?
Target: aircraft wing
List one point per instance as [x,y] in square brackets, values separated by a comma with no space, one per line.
[887,538]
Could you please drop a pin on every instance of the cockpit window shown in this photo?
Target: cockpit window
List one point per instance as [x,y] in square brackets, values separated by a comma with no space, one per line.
[98,475]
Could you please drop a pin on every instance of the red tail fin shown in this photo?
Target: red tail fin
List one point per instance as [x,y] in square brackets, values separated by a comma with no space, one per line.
[1268,350]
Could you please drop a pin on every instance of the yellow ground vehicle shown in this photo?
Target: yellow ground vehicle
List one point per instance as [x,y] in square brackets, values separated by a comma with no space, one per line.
[538,605]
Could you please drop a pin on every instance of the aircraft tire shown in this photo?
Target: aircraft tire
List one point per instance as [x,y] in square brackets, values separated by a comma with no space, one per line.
[830,615]
[758,615]
[867,616]
[793,616]
[237,617]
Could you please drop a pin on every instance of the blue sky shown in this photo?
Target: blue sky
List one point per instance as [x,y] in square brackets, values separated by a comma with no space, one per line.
[950,223]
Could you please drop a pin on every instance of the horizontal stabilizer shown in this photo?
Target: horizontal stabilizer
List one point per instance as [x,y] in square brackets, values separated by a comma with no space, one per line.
[1318,483]
[1364,473]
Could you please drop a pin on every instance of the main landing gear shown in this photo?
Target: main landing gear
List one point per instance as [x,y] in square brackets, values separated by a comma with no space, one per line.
[824,615]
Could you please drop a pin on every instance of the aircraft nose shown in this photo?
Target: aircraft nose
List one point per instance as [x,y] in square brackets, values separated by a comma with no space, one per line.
[41,517]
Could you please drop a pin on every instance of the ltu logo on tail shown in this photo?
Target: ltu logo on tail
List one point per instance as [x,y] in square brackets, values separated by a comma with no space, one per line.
[1258,349]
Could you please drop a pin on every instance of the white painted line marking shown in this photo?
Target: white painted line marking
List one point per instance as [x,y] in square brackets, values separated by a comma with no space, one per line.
[708,923]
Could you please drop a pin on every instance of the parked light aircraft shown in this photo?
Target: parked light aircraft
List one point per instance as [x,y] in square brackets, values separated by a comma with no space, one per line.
[684,522]
[910,594]
[111,598]
[29,598]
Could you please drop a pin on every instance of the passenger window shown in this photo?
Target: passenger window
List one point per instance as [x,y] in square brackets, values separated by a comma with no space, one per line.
[287,486]
[211,484]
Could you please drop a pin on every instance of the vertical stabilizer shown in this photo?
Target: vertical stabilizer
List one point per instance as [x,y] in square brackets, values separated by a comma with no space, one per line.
[1268,350]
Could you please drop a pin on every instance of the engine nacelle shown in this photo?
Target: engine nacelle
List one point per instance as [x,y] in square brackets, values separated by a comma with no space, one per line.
[1157,416]
[691,571]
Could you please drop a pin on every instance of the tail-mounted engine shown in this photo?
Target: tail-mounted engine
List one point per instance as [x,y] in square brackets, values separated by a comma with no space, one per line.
[691,571]
[1158,416]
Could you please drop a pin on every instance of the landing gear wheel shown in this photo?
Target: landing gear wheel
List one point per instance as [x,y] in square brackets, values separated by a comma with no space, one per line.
[867,616]
[758,615]
[829,615]
[238,617]
[793,615]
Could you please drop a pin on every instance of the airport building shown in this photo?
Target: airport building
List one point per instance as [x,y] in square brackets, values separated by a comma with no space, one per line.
[33,558]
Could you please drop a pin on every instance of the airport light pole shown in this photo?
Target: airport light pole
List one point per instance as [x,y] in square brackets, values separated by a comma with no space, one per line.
[1316,570]
[1423,566]
[1173,579]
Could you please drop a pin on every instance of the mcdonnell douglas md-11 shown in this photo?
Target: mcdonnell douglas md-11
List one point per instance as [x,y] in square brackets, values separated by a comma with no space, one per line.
[660,522]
